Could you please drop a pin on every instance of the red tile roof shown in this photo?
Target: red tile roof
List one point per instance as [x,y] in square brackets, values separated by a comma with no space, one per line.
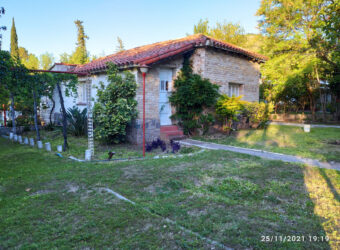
[152,53]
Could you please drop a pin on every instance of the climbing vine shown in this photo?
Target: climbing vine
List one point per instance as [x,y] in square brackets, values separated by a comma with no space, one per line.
[192,96]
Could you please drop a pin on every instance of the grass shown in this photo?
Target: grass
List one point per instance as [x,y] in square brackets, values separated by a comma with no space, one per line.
[318,144]
[78,145]
[50,202]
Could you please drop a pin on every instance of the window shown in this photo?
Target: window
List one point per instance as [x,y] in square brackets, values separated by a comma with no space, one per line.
[164,86]
[82,93]
[234,89]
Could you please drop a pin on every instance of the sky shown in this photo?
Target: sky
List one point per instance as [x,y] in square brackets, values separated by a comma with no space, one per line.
[48,26]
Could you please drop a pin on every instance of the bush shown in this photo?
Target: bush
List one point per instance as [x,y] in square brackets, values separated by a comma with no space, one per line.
[77,121]
[228,109]
[23,120]
[191,97]
[116,106]
[155,144]
[258,113]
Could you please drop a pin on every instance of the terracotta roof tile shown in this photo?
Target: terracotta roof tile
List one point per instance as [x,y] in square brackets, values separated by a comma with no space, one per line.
[152,53]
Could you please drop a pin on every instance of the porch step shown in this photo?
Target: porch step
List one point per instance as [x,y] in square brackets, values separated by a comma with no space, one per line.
[170,132]
[169,128]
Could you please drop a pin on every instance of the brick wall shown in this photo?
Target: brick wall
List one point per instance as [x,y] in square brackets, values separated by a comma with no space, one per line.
[152,124]
[223,68]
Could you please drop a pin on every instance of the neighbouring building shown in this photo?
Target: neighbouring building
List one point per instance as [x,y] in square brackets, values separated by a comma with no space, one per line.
[236,70]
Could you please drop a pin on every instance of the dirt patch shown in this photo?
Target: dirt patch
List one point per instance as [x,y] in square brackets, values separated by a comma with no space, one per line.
[197,212]
[72,188]
[40,192]
[333,142]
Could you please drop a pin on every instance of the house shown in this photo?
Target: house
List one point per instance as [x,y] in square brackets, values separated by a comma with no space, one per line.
[236,70]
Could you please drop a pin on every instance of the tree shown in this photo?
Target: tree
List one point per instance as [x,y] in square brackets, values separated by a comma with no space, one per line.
[37,86]
[303,29]
[64,57]
[66,83]
[116,105]
[80,56]
[13,76]
[46,60]
[226,31]
[14,41]
[202,27]
[120,46]
[2,12]
[23,54]
[32,62]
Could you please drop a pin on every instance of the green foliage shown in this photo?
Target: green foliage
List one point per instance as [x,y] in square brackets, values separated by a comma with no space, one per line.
[229,108]
[32,62]
[232,33]
[77,121]
[226,31]
[116,106]
[191,96]
[80,56]
[64,57]
[120,46]
[25,120]
[258,113]
[206,121]
[46,60]
[14,41]
[306,41]
[23,54]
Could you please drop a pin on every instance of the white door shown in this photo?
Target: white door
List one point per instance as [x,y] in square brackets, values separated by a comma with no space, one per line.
[165,78]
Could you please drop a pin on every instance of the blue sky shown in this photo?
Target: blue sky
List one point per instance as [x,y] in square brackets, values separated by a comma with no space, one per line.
[47,26]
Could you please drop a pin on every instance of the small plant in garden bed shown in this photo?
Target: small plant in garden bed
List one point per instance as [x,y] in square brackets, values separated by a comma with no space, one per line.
[155,144]
[175,146]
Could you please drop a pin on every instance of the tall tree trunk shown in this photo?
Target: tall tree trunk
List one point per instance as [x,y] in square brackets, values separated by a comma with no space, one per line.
[14,128]
[36,114]
[64,116]
[52,109]
[312,107]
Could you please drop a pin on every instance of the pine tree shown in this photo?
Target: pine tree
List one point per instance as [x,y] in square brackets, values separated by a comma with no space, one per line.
[80,56]
[120,46]
[14,42]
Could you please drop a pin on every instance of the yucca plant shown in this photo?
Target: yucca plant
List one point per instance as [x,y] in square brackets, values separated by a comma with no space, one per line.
[77,121]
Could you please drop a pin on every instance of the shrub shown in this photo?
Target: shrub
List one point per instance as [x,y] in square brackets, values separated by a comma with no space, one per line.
[77,121]
[206,120]
[116,106]
[175,146]
[192,95]
[258,113]
[229,108]
[23,120]
[155,144]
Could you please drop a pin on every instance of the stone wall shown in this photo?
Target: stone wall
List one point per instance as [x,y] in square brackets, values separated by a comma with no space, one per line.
[152,124]
[223,68]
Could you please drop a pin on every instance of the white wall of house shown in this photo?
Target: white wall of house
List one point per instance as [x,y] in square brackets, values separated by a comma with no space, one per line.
[77,99]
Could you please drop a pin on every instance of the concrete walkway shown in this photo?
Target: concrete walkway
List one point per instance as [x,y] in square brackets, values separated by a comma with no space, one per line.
[261,153]
[302,124]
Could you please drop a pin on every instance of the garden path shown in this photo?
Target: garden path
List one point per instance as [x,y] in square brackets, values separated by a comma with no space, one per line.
[262,154]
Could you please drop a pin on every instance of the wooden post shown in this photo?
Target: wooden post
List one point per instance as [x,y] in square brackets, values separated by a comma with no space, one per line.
[89,116]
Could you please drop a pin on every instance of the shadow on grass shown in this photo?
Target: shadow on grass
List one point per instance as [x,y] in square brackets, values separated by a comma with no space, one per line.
[330,184]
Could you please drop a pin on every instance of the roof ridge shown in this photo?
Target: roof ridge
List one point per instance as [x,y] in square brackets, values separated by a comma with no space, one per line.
[151,53]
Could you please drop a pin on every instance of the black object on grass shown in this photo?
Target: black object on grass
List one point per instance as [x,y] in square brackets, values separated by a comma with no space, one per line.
[110,155]
[175,146]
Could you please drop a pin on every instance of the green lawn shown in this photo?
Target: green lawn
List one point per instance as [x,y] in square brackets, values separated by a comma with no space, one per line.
[318,144]
[51,202]
[78,145]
